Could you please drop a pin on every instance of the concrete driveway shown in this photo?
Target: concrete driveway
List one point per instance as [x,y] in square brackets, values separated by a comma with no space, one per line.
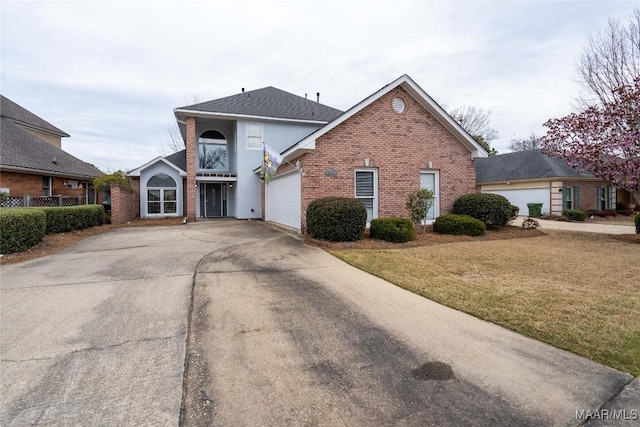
[279,334]
[285,334]
[587,227]
[96,334]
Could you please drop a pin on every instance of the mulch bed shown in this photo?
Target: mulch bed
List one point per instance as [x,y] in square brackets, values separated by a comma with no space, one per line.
[428,238]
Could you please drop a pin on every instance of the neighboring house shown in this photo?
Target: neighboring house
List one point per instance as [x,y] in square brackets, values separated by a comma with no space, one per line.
[393,142]
[32,162]
[533,177]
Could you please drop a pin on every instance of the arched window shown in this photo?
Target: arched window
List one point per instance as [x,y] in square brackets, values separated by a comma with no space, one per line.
[162,195]
[212,151]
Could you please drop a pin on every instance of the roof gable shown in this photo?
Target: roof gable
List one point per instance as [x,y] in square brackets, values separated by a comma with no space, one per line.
[268,102]
[522,165]
[404,81]
[18,114]
[23,151]
[177,161]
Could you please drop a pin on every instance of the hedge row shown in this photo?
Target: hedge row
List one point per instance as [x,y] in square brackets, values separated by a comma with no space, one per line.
[63,219]
[396,230]
[21,228]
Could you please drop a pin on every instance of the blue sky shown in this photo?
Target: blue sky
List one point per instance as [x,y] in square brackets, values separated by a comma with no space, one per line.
[110,72]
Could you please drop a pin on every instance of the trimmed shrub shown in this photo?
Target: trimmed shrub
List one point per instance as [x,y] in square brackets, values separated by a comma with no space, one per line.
[20,228]
[492,209]
[337,219]
[636,220]
[69,218]
[459,225]
[514,212]
[396,230]
[575,215]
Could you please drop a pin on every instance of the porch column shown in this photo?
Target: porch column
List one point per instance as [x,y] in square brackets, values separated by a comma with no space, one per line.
[191,169]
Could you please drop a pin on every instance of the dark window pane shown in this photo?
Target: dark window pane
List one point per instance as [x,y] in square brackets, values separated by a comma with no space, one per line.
[153,207]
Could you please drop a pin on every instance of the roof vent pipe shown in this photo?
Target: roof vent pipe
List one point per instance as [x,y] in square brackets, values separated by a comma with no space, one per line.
[318,96]
[305,96]
[242,90]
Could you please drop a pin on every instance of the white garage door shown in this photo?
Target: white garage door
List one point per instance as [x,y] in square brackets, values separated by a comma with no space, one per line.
[282,200]
[520,198]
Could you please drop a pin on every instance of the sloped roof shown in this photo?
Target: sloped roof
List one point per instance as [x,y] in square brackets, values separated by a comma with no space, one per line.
[179,159]
[267,102]
[521,165]
[13,111]
[308,143]
[23,151]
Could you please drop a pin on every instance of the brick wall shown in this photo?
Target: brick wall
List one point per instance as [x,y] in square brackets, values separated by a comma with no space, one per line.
[20,184]
[588,198]
[399,146]
[190,205]
[125,204]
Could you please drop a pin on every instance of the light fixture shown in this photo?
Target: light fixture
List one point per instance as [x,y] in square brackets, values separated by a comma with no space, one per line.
[559,190]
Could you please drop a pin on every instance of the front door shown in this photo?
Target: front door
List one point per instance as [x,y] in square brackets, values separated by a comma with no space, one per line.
[213,200]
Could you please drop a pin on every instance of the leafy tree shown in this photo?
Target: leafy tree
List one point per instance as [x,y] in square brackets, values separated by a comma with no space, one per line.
[477,123]
[610,60]
[603,140]
[103,182]
[418,203]
[524,144]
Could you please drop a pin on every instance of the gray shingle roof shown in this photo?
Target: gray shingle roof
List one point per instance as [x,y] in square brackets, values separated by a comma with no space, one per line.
[22,150]
[531,164]
[13,111]
[179,159]
[268,102]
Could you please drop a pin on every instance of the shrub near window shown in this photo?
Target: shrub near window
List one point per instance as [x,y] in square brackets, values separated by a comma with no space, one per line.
[337,219]
[492,209]
[396,230]
[637,222]
[459,225]
[21,228]
[575,215]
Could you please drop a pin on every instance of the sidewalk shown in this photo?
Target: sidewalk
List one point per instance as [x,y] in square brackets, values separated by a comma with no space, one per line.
[580,226]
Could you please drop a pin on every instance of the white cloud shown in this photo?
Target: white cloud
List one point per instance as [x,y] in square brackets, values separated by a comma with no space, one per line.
[110,72]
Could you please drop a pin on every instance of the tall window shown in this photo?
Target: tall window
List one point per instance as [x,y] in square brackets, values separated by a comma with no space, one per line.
[570,198]
[212,151]
[162,195]
[46,186]
[429,180]
[254,136]
[605,198]
[366,190]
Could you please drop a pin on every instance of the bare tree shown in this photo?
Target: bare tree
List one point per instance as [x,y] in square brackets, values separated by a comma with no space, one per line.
[477,123]
[532,142]
[173,141]
[610,60]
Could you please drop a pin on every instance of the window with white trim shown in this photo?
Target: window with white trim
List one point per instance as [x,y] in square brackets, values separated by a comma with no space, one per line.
[429,180]
[254,136]
[46,186]
[162,195]
[367,191]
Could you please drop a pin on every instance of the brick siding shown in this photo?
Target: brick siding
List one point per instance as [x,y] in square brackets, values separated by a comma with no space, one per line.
[20,184]
[190,201]
[125,204]
[398,146]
